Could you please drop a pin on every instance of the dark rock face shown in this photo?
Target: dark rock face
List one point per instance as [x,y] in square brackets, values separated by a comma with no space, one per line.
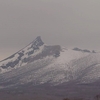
[77,49]
[37,42]
[31,52]
[48,51]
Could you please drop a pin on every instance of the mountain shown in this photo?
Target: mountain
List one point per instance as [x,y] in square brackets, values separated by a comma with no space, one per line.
[40,66]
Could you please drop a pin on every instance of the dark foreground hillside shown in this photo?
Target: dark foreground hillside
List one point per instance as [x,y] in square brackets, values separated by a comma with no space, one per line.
[29,92]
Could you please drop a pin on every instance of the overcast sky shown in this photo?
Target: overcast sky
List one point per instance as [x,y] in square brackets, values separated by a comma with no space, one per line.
[70,23]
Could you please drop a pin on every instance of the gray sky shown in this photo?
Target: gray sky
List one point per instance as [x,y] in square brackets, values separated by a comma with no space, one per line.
[70,23]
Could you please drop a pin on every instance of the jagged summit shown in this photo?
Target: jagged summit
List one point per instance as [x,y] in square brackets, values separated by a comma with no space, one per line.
[38,41]
[38,38]
[22,57]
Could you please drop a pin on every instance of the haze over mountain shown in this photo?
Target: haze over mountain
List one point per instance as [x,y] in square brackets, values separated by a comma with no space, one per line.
[68,23]
[42,65]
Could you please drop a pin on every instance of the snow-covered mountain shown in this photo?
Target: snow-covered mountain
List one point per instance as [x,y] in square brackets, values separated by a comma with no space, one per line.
[39,63]
[23,56]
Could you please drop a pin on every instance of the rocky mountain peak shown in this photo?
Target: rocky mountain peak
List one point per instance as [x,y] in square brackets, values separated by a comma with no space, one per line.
[38,41]
[23,56]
